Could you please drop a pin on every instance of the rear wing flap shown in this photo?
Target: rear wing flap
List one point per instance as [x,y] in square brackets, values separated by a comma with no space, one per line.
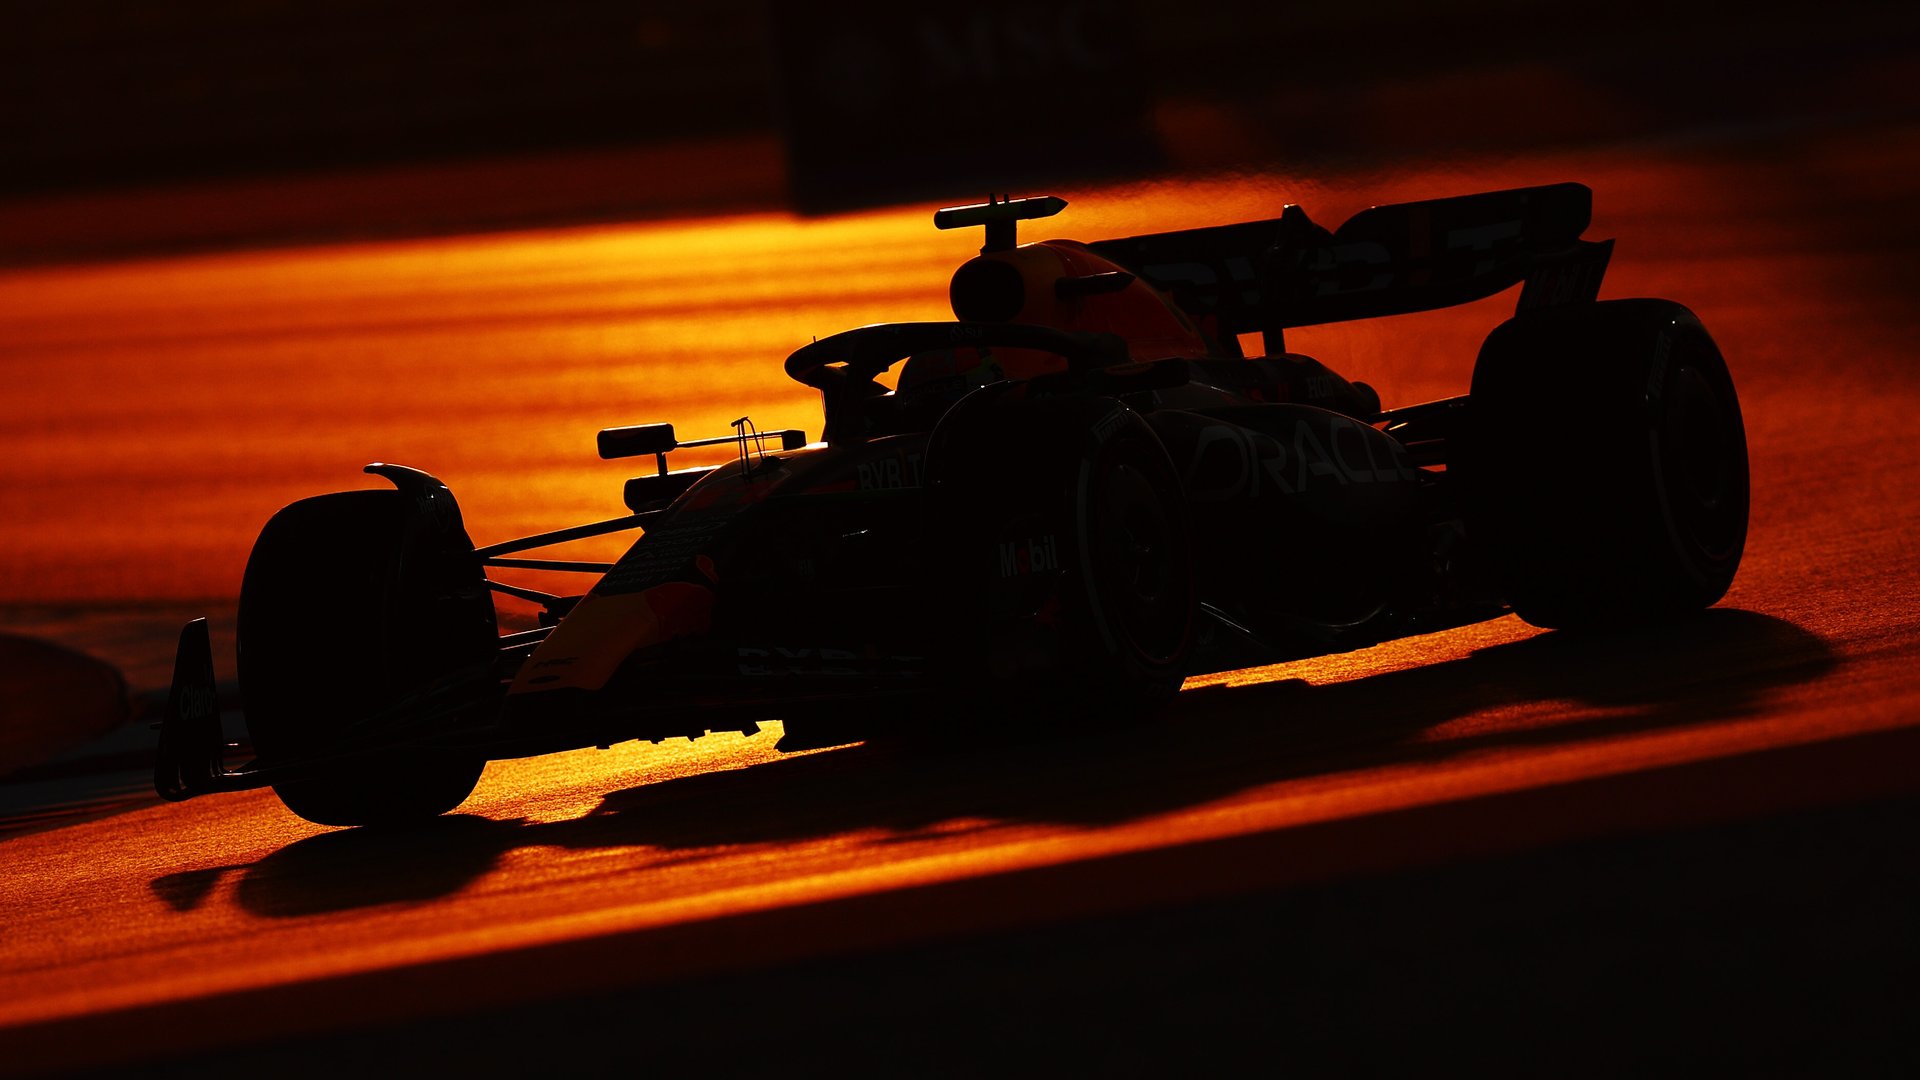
[1388,260]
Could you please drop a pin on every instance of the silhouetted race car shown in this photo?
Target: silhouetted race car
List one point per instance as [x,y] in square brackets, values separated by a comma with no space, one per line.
[1077,494]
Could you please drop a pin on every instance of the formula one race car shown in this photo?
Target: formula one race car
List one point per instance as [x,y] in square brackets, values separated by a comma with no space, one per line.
[1077,494]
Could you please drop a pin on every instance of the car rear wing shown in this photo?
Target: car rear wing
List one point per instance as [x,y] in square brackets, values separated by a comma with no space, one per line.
[1388,260]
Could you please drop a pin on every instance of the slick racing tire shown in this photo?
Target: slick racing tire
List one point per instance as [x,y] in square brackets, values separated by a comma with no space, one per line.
[1605,465]
[1069,558]
[344,610]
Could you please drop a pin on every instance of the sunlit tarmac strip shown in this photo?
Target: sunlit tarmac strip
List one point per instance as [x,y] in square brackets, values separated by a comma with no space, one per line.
[757,931]
[191,970]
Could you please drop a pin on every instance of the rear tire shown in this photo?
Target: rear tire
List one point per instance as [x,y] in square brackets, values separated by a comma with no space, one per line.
[1605,467]
[343,611]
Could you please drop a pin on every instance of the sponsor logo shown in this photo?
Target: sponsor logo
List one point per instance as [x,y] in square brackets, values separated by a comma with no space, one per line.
[1294,465]
[1034,555]
[771,660]
[890,473]
[1319,386]
[1238,270]
[1109,424]
[1350,259]
[1486,239]
[198,702]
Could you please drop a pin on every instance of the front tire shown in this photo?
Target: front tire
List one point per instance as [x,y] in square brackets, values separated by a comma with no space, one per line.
[343,611]
[1604,470]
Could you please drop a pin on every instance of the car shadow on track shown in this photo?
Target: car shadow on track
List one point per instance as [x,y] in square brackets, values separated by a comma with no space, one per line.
[1216,741]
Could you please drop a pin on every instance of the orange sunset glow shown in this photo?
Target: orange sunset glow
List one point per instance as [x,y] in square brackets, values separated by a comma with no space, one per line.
[162,409]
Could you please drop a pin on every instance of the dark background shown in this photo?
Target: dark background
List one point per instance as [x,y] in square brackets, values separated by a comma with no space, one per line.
[823,107]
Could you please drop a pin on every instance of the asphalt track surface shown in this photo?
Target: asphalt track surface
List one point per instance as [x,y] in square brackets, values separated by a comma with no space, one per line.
[1681,847]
